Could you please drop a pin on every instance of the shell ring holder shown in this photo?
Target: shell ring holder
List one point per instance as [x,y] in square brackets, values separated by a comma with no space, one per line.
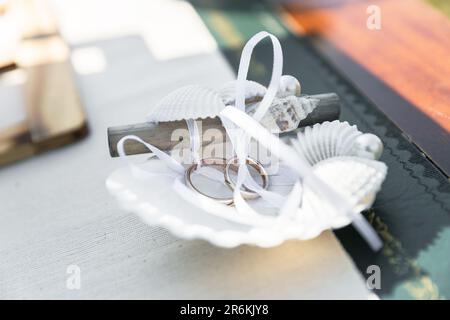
[340,158]
[227,166]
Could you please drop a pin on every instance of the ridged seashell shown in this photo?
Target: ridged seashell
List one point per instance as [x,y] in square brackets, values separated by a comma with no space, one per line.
[286,113]
[326,140]
[253,91]
[358,179]
[189,102]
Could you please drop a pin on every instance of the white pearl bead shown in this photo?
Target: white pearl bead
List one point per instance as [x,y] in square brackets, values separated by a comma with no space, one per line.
[289,86]
[367,146]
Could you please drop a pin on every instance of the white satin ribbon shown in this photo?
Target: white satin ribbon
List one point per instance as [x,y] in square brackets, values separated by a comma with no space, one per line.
[195,141]
[208,205]
[244,64]
[241,141]
[176,167]
[173,164]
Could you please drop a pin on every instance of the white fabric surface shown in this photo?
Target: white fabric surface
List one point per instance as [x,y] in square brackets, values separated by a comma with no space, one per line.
[56,212]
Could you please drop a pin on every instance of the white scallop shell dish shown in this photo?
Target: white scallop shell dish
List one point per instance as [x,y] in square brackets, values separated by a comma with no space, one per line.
[326,140]
[160,206]
[156,203]
[253,90]
[189,102]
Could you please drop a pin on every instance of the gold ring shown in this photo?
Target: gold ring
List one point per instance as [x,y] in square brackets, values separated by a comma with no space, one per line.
[207,162]
[246,193]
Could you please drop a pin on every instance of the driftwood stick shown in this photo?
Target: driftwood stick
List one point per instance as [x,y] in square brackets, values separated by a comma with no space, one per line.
[162,134]
[328,109]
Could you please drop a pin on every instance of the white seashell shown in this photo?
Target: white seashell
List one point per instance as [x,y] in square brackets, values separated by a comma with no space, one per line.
[286,113]
[289,86]
[189,102]
[357,179]
[253,91]
[330,139]
[163,207]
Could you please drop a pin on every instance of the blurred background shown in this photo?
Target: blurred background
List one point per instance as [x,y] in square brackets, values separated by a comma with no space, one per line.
[69,69]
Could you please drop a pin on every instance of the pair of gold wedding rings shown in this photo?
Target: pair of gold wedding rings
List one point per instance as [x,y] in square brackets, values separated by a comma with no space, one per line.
[228,166]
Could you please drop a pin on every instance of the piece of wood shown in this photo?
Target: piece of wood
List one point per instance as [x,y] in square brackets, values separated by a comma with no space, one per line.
[54,115]
[157,134]
[53,105]
[328,109]
[410,53]
[161,135]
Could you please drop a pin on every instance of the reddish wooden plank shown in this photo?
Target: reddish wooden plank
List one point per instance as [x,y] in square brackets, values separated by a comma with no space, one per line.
[410,55]
[411,52]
